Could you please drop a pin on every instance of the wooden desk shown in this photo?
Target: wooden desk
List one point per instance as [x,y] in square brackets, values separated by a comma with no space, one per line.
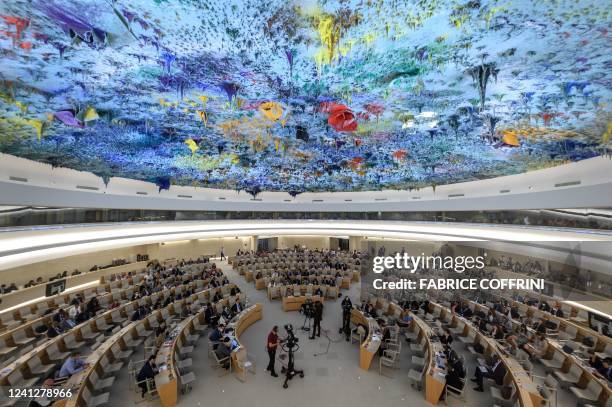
[240,323]
[166,381]
[260,284]
[41,351]
[248,276]
[79,381]
[527,391]
[292,303]
[370,345]
[435,377]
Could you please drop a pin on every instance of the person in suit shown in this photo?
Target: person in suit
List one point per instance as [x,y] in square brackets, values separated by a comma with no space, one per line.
[317,317]
[237,308]
[52,329]
[606,369]
[446,338]
[147,372]
[456,374]
[224,351]
[496,371]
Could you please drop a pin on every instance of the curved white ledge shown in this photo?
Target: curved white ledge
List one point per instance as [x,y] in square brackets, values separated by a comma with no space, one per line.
[582,184]
[18,248]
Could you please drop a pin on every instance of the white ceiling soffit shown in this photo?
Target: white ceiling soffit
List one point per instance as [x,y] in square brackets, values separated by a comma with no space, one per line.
[586,183]
[33,245]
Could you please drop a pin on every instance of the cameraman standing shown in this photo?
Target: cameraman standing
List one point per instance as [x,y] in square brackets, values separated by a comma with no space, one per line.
[317,316]
[271,346]
[347,306]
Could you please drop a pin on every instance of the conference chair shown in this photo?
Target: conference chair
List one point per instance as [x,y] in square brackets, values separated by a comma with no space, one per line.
[469,339]
[590,394]
[198,325]
[130,341]
[100,384]
[419,348]
[37,368]
[389,359]
[54,354]
[120,354]
[184,350]
[419,362]
[219,364]
[88,334]
[191,336]
[548,389]
[245,363]
[416,378]
[102,325]
[357,335]
[72,343]
[117,318]
[555,363]
[182,364]
[21,339]
[607,353]
[411,335]
[94,401]
[109,366]
[186,380]
[17,380]
[458,330]
[25,314]
[569,334]
[456,392]
[498,398]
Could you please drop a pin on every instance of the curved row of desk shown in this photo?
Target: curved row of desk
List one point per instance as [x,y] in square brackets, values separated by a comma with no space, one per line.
[87,381]
[22,295]
[13,340]
[113,279]
[261,283]
[584,383]
[41,360]
[527,394]
[16,339]
[166,381]
[570,329]
[526,391]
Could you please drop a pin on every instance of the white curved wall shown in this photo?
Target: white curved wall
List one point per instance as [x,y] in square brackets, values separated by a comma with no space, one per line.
[584,184]
[19,248]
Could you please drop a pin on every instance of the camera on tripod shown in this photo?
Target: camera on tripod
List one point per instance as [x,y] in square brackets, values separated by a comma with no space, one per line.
[291,341]
[290,345]
[308,308]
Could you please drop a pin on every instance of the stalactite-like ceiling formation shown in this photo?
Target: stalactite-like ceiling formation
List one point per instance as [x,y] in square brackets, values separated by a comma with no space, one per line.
[328,95]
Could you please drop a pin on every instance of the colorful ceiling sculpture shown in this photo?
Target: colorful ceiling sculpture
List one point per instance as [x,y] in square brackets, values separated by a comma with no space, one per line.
[294,96]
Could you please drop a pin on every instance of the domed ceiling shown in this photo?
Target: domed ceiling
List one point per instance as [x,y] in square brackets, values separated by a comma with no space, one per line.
[275,95]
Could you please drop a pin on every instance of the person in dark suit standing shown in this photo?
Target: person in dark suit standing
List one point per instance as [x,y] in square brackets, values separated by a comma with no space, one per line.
[497,372]
[317,317]
[147,372]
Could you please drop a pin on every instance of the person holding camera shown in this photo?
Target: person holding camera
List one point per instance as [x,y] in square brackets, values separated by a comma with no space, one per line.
[271,346]
[317,317]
